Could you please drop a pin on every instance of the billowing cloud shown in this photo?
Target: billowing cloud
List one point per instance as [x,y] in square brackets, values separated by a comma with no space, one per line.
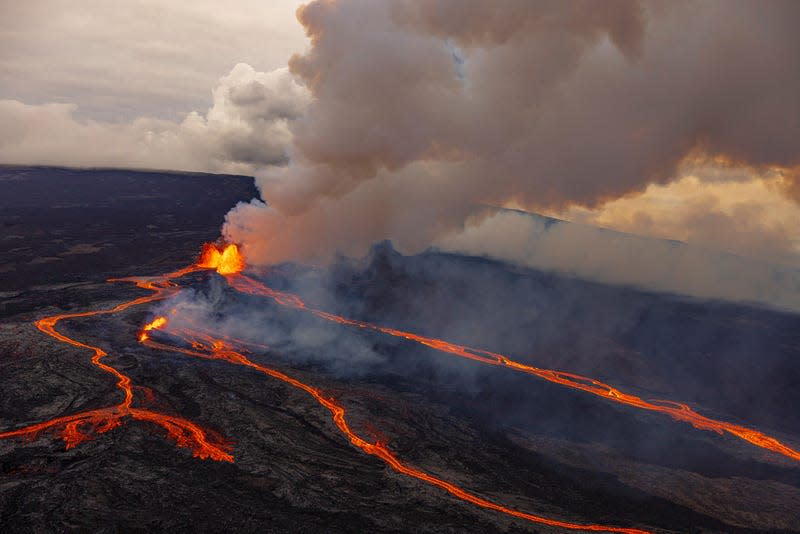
[246,126]
[405,119]
[423,112]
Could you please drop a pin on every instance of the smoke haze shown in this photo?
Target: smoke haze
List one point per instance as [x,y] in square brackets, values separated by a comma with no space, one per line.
[672,347]
[618,258]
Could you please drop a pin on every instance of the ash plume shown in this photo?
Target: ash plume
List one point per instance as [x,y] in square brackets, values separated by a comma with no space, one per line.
[422,111]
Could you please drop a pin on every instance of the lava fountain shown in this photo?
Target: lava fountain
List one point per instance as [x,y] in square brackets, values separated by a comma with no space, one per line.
[227,260]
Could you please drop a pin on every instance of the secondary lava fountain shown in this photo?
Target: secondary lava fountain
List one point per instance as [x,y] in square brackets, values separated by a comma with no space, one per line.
[158,322]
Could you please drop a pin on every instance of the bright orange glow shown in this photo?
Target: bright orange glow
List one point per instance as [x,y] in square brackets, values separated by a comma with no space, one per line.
[155,324]
[231,261]
[227,260]
[80,427]
[678,411]
[207,346]
[209,256]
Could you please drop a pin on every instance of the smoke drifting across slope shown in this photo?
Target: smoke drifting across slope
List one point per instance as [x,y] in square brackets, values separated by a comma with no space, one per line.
[619,258]
[423,111]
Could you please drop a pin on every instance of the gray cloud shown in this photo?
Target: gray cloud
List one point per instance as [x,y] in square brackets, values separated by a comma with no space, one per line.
[247,125]
[118,61]
[404,117]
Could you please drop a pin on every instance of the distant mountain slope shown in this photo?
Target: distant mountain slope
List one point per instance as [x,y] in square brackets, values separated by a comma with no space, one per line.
[615,257]
[54,220]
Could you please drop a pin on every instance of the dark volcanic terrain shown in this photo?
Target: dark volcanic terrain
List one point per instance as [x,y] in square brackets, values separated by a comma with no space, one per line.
[512,438]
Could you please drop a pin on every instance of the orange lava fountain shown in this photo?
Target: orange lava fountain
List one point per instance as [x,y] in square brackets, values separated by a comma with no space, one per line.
[158,322]
[77,428]
[226,261]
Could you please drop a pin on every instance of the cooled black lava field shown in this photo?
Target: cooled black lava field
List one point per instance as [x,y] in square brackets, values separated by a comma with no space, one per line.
[525,443]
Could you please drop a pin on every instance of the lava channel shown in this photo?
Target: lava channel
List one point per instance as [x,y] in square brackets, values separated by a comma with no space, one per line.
[677,411]
[207,346]
[80,427]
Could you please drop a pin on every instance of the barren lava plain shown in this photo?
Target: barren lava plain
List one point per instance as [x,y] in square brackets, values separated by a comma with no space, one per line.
[510,438]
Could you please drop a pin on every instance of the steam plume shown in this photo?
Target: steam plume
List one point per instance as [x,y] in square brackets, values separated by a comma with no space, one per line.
[424,111]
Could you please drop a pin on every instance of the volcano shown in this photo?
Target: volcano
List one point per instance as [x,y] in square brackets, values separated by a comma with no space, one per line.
[435,393]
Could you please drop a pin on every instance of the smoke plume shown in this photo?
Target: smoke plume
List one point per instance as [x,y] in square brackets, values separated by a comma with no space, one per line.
[422,112]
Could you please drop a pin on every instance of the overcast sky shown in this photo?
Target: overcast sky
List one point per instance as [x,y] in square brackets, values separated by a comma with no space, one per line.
[122,59]
[197,86]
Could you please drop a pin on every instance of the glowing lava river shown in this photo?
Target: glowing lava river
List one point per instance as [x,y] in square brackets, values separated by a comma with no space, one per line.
[676,410]
[74,428]
[204,444]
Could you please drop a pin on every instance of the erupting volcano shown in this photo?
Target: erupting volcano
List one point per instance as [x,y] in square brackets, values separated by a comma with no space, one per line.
[425,266]
[227,261]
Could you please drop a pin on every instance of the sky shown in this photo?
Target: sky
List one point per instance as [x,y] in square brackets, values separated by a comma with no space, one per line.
[120,60]
[404,119]
[143,83]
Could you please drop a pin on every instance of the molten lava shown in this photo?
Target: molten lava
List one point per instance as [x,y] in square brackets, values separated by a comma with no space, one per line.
[207,346]
[155,324]
[80,427]
[77,428]
[227,260]
[678,411]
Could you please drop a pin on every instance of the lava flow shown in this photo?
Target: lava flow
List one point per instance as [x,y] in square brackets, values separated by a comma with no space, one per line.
[207,346]
[76,428]
[228,262]
[678,411]
[158,322]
